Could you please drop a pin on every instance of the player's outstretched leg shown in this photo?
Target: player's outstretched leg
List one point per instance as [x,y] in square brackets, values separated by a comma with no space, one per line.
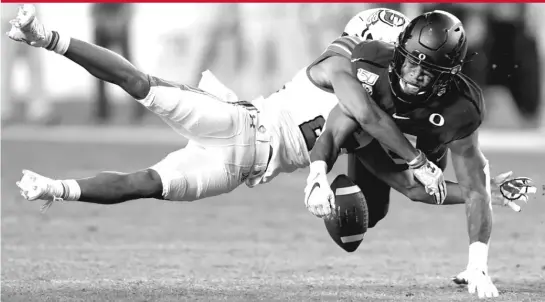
[104,188]
[100,62]
[187,174]
[195,114]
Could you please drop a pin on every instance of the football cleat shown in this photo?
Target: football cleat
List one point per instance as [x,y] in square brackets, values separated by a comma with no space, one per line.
[27,28]
[34,186]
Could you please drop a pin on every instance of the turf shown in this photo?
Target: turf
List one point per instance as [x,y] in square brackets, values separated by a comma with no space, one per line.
[251,245]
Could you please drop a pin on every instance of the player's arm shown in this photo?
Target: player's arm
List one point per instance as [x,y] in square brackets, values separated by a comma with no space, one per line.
[357,104]
[506,190]
[473,174]
[336,131]
[319,198]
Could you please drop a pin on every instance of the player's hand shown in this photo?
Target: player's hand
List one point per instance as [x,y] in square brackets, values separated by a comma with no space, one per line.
[319,199]
[430,176]
[506,190]
[477,280]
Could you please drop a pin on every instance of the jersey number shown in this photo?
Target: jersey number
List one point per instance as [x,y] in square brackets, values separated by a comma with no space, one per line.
[311,130]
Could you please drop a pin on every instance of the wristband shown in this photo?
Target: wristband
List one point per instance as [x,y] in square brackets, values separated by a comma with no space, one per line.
[418,161]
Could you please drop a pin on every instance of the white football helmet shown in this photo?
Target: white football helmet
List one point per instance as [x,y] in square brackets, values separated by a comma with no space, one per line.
[381,24]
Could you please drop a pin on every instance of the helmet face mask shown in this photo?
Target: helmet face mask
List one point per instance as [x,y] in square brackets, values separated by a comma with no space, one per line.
[436,42]
[406,69]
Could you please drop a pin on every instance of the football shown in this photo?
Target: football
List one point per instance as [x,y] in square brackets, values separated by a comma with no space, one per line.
[348,223]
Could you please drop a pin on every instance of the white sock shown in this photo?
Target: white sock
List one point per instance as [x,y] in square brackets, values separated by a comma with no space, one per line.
[72,191]
[58,188]
[58,43]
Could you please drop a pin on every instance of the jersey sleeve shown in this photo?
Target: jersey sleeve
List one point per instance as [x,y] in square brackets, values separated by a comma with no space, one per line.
[377,53]
[473,110]
[473,122]
[343,46]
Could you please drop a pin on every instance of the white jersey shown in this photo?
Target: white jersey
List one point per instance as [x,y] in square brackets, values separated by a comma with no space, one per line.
[296,114]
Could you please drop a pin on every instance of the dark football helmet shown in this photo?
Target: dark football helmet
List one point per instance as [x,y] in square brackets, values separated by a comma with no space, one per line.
[437,42]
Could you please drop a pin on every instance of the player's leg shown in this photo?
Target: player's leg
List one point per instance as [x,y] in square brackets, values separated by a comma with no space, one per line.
[187,174]
[194,173]
[100,62]
[115,187]
[103,188]
[198,115]
[192,112]
[376,192]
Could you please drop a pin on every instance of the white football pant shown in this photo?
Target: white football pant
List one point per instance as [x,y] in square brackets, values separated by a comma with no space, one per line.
[224,150]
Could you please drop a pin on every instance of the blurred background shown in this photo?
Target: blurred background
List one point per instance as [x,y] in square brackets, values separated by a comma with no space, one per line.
[254,49]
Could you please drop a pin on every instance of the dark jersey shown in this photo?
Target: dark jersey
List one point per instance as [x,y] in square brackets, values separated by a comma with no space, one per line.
[454,115]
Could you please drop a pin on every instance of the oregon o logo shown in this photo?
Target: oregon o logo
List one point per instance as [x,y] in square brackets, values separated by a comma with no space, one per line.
[437,119]
[421,56]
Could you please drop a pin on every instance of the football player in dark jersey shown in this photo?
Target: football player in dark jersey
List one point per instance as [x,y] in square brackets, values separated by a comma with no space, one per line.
[419,83]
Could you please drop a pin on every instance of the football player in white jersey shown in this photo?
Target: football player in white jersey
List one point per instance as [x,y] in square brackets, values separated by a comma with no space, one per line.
[230,141]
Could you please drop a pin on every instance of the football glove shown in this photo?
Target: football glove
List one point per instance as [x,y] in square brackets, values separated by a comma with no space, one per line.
[506,190]
[430,176]
[319,198]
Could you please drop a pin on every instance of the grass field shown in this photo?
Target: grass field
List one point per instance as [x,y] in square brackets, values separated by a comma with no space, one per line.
[253,244]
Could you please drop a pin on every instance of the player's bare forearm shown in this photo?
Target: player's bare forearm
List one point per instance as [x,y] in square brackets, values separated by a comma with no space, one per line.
[384,129]
[325,150]
[336,131]
[357,103]
[116,187]
[454,194]
[109,66]
[473,174]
